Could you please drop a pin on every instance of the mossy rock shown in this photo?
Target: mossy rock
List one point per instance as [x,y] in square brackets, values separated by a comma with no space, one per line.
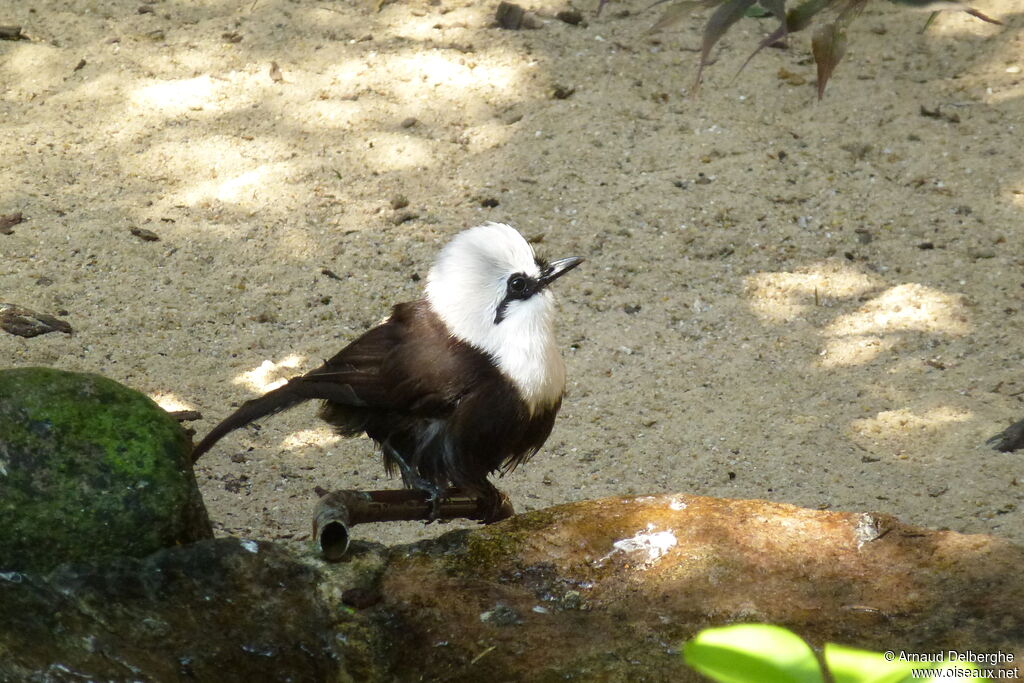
[89,469]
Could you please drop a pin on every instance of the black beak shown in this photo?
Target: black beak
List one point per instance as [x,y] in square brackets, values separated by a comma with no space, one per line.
[557,269]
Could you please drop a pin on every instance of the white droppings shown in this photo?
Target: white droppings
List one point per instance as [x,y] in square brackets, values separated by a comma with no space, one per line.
[251,546]
[651,544]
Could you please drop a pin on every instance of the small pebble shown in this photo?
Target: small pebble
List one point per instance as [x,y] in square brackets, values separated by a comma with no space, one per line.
[562,92]
[501,615]
[404,217]
[409,122]
[145,235]
[399,201]
[571,16]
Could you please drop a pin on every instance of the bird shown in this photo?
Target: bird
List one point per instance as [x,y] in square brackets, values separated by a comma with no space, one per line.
[453,387]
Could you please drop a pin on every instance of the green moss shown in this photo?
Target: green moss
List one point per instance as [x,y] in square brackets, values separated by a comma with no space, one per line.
[89,468]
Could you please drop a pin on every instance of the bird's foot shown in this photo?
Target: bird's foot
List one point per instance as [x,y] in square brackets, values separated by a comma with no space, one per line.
[435,494]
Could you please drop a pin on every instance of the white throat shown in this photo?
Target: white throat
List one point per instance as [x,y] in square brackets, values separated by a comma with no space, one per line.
[465,287]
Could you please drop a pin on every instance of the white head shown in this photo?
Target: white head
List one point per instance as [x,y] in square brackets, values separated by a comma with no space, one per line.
[492,293]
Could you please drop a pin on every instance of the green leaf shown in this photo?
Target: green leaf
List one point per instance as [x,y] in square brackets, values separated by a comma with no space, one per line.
[752,653]
[850,665]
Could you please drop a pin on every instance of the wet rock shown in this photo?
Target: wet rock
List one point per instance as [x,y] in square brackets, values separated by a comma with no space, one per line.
[597,590]
[622,582]
[89,469]
[217,610]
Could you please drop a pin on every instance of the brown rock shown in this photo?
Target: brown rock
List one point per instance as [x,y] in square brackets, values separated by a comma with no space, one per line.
[605,588]
[602,590]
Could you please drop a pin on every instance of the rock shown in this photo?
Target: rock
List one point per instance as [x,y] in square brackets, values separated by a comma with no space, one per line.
[513,17]
[596,590]
[217,610]
[20,321]
[622,582]
[89,469]
[571,16]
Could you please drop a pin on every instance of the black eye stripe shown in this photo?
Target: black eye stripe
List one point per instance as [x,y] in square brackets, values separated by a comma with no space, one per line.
[518,286]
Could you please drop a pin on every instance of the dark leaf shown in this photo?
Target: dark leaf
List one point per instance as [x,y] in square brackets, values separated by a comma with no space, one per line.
[25,323]
[725,16]
[984,17]
[800,17]
[676,13]
[777,8]
[145,235]
[828,45]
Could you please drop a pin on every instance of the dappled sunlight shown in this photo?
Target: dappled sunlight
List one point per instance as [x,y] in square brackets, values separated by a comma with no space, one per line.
[909,307]
[394,151]
[240,189]
[429,71]
[781,297]
[179,96]
[305,438]
[33,67]
[269,375]
[1017,195]
[902,427]
[875,327]
[433,77]
[953,24]
[854,350]
[337,113]
[216,168]
[170,402]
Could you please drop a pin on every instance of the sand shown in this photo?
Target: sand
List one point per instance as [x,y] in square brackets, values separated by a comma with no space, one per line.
[816,303]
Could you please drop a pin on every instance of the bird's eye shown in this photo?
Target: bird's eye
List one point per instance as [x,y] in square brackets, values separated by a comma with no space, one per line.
[517,284]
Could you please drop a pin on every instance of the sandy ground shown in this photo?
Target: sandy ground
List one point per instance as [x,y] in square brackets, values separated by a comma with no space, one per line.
[760,315]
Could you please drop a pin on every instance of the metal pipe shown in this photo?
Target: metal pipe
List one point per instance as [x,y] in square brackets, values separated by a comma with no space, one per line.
[338,511]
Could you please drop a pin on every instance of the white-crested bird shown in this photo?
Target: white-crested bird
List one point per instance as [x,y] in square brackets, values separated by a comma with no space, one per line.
[453,387]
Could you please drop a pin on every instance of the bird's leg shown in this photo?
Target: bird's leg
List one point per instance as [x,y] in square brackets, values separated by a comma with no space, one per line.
[412,480]
[492,503]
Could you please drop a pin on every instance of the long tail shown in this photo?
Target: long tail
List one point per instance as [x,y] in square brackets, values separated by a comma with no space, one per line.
[296,391]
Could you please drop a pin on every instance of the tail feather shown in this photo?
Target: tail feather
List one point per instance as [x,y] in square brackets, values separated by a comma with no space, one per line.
[296,391]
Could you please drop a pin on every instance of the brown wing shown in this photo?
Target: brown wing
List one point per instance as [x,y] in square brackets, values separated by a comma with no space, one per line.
[402,366]
[406,368]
